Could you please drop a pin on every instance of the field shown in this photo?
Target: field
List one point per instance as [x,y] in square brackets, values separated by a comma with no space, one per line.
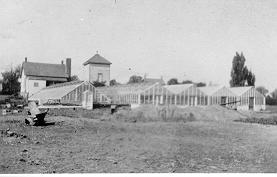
[207,140]
[272,109]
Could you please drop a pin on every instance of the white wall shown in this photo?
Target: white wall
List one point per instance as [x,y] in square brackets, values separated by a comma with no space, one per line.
[243,107]
[246,107]
[31,89]
[22,81]
[27,85]
[94,69]
[259,108]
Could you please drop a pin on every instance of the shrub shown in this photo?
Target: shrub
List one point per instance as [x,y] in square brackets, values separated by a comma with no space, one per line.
[265,121]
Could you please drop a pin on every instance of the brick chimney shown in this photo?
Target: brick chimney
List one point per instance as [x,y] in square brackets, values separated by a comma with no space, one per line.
[68,67]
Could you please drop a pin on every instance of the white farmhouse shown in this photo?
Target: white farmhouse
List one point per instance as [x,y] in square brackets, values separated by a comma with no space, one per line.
[35,76]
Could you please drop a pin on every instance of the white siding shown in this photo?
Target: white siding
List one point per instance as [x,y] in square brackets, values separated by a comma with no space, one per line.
[27,85]
[31,89]
[94,69]
[244,94]
[23,83]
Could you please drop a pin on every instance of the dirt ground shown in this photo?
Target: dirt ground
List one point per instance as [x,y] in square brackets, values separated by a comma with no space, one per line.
[83,145]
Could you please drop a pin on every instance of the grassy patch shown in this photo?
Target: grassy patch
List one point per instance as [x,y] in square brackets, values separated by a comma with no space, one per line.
[266,121]
[271,108]
[152,113]
[79,113]
[82,145]
[268,117]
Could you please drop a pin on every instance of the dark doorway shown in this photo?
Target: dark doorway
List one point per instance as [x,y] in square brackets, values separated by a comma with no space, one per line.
[223,100]
[49,83]
[251,103]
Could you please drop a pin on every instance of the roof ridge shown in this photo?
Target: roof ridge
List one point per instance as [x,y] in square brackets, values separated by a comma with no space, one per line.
[178,85]
[97,59]
[43,63]
[242,87]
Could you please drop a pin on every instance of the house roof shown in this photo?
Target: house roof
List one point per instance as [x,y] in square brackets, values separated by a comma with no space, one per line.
[56,91]
[97,59]
[176,89]
[48,78]
[240,90]
[44,70]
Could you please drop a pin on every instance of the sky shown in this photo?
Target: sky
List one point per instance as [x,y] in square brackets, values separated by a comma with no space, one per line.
[186,39]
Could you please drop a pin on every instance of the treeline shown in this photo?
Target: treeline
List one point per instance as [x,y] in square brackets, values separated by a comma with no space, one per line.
[10,83]
[271,98]
[174,81]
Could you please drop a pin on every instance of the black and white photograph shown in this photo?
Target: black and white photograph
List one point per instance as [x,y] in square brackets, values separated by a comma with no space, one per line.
[138,86]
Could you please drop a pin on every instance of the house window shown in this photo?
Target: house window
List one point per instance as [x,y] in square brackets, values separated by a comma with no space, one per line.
[35,84]
[100,77]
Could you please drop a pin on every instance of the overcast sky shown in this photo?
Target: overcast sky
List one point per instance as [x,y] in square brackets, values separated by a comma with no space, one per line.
[187,39]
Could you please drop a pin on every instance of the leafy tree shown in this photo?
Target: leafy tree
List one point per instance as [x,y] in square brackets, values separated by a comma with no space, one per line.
[200,84]
[11,84]
[270,101]
[114,82]
[173,81]
[274,94]
[73,78]
[135,79]
[99,84]
[239,73]
[262,90]
[187,82]
[251,79]
[272,98]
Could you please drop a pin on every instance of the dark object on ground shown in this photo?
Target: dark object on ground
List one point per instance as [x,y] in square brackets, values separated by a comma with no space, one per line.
[22,160]
[37,120]
[101,106]
[113,109]
[9,133]
[35,117]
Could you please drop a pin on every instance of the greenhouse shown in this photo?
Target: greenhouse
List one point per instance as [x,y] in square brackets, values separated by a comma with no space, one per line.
[248,98]
[156,94]
[220,95]
[85,94]
[137,93]
[69,93]
[185,95]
